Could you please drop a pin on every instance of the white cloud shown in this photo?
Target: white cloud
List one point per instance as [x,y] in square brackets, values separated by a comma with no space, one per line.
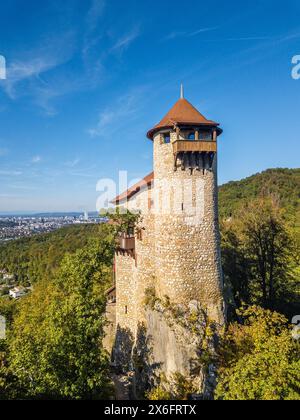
[19,71]
[185,34]
[95,12]
[72,163]
[26,73]
[124,42]
[202,30]
[249,38]
[111,117]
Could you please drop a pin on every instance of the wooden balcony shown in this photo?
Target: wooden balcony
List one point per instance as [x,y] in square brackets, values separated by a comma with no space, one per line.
[126,243]
[194,154]
[194,146]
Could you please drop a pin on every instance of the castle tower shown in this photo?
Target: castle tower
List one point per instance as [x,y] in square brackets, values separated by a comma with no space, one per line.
[174,249]
[187,240]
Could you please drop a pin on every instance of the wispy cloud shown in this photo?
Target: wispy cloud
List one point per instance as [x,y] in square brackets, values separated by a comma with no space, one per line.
[263,50]
[20,71]
[95,12]
[32,65]
[72,163]
[110,118]
[249,38]
[202,30]
[41,73]
[186,34]
[124,41]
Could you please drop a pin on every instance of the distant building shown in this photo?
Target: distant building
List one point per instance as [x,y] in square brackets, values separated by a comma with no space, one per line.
[86,216]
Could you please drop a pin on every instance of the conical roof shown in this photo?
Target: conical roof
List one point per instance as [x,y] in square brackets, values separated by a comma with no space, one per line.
[182,113]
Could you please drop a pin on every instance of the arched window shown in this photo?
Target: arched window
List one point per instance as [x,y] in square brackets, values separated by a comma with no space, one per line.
[167,138]
[191,136]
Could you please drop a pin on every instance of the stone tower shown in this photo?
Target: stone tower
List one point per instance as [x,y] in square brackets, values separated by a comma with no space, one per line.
[173,256]
[187,240]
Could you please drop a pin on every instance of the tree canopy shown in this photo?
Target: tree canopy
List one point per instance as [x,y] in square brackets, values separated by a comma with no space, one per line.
[259,360]
[54,346]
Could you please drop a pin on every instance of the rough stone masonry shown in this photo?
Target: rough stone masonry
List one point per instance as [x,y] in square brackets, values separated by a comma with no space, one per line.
[176,255]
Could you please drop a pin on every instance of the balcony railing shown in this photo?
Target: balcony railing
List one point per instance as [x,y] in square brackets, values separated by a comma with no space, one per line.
[126,243]
[194,154]
[185,146]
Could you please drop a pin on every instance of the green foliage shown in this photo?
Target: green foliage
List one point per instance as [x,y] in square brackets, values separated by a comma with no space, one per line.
[281,184]
[178,388]
[158,394]
[9,386]
[259,360]
[123,220]
[260,258]
[150,297]
[260,227]
[7,309]
[38,257]
[54,347]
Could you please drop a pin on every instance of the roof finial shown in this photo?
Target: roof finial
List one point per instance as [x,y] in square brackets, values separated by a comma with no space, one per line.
[181,91]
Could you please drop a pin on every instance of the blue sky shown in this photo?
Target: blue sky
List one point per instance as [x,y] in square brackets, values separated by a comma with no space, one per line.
[86,79]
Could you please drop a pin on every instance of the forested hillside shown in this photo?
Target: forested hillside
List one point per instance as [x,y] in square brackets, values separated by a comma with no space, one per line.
[260,227]
[282,184]
[54,346]
[36,258]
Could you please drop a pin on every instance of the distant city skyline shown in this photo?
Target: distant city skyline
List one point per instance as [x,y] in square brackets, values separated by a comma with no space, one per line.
[86,79]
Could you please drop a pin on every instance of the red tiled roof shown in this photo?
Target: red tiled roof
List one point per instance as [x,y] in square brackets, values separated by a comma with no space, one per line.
[147,181]
[184,113]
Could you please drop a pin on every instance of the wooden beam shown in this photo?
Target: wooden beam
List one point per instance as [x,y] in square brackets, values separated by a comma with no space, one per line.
[194,146]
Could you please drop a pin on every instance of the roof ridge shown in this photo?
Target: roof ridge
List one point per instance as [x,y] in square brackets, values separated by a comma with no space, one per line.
[146,181]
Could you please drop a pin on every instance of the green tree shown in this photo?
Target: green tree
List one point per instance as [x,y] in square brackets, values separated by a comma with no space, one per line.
[39,257]
[236,266]
[122,220]
[55,348]
[259,360]
[267,245]
[259,256]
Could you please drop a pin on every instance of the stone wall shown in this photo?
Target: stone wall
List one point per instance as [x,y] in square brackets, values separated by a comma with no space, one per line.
[134,274]
[188,260]
[110,328]
[126,291]
[178,254]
